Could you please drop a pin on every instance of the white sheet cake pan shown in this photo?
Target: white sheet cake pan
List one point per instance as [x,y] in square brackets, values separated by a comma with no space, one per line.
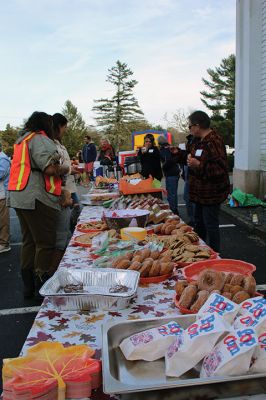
[96,294]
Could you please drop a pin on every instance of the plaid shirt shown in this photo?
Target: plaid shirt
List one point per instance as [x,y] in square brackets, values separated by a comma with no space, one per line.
[209,183]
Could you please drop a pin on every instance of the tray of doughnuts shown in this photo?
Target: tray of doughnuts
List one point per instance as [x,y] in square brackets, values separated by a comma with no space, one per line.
[191,295]
[154,266]
[192,271]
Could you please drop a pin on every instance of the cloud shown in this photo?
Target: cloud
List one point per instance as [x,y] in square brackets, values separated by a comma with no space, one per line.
[54,50]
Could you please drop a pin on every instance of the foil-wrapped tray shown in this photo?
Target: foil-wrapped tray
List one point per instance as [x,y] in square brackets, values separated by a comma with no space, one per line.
[144,380]
[91,289]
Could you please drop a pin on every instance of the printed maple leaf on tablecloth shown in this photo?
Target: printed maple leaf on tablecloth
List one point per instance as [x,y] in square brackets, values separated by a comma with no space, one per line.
[142,308]
[159,314]
[48,363]
[49,314]
[71,334]
[94,318]
[114,314]
[149,297]
[58,328]
[165,300]
[41,337]
[87,338]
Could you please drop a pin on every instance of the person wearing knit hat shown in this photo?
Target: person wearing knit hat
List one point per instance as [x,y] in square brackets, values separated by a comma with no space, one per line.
[171,172]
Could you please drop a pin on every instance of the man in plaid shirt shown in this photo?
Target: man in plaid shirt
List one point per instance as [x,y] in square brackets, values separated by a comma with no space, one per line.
[209,183]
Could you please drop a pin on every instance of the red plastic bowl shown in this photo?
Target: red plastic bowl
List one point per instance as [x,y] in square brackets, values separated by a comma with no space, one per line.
[192,271]
[183,310]
[155,279]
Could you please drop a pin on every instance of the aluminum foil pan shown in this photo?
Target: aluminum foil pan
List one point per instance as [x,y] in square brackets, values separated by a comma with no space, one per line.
[91,289]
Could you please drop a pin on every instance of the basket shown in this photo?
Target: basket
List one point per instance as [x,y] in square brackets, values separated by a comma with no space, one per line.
[192,271]
[144,186]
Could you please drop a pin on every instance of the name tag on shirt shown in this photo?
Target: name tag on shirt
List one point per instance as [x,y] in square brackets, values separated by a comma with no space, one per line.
[150,151]
[182,146]
[198,153]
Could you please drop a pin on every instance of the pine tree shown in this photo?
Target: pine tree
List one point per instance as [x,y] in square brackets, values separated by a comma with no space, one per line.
[114,114]
[8,138]
[76,129]
[220,97]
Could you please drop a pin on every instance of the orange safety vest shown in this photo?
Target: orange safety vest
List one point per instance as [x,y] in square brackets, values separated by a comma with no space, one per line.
[20,169]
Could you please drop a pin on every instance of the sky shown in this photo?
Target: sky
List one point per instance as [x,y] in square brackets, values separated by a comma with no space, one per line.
[58,50]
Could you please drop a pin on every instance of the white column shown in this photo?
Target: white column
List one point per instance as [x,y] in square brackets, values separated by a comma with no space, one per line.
[248,94]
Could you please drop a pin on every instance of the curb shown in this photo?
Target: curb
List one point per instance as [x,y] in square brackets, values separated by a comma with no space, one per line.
[259,230]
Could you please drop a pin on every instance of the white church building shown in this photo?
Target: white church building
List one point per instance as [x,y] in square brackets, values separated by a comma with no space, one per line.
[250,130]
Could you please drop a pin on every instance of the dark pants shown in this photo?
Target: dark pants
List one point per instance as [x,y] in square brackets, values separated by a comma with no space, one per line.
[38,228]
[207,224]
[171,183]
[189,205]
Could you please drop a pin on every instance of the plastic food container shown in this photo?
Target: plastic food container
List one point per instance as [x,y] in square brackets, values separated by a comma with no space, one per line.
[133,233]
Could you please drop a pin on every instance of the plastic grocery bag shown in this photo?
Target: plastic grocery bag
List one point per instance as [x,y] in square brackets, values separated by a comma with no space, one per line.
[246,199]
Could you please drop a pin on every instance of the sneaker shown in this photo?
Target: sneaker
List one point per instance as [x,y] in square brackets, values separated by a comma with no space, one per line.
[3,248]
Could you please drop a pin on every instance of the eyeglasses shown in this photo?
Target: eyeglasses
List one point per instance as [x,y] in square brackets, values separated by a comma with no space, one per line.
[190,126]
[147,141]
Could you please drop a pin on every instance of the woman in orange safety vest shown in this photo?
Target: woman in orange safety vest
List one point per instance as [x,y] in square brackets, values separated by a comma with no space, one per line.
[34,192]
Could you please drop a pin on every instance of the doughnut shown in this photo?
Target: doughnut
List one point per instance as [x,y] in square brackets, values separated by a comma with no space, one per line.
[228,295]
[117,260]
[155,268]
[123,264]
[137,258]
[210,280]
[135,265]
[216,291]
[155,254]
[166,267]
[202,296]
[235,289]
[237,280]
[145,269]
[157,228]
[180,286]
[240,296]
[188,296]
[249,285]
[227,287]
[129,255]
[228,278]
[169,229]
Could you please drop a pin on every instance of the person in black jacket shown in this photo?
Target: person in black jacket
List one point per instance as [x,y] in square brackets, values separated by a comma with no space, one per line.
[89,154]
[171,172]
[150,158]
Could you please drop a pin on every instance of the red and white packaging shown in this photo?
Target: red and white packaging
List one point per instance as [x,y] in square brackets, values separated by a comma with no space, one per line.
[151,344]
[252,314]
[193,344]
[232,355]
[219,304]
[258,362]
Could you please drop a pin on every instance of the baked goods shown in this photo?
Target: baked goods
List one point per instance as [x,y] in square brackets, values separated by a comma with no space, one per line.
[211,283]
[188,296]
[240,296]
[249,285]
[148,263]
[210,280]
[202,296]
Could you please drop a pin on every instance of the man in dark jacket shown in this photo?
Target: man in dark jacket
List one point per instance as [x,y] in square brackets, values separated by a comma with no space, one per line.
[171,172]
[209,183]
[89,154]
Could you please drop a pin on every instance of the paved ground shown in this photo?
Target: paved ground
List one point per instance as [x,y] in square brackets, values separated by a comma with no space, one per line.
[238,242]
